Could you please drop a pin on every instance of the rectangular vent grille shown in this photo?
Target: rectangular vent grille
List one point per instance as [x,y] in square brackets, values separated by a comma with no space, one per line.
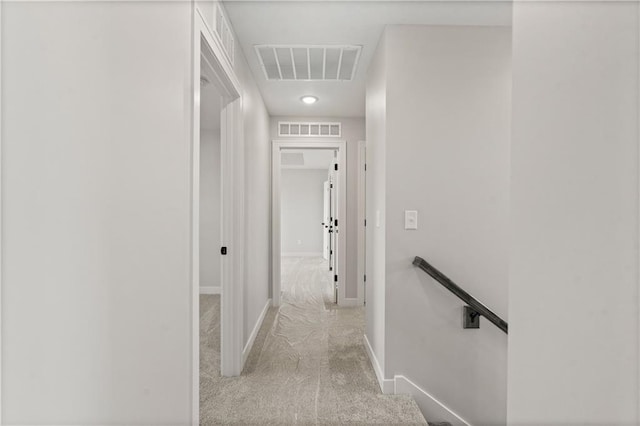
[224,32]
[308,63]
[312,130]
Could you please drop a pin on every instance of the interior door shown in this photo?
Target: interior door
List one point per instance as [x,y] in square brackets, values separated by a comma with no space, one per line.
[326,218]
[333,228]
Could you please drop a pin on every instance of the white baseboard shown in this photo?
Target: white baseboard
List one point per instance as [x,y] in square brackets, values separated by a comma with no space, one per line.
[302,254]
[432,409]
[210,290]
[386,386]
[254,332]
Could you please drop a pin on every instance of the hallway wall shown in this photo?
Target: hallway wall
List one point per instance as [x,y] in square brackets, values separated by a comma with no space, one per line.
[96,225]
[96,171]
[302,193]
[446,139]
[257,198]
[573,295]
[353,130]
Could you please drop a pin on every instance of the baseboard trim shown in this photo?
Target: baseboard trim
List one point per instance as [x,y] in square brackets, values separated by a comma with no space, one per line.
[302,254]
[386,386]
[210,290]
[254,332]
[432,409]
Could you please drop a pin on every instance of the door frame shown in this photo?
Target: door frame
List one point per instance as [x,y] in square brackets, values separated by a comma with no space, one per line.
[341,147]
[362,222]
[208,52]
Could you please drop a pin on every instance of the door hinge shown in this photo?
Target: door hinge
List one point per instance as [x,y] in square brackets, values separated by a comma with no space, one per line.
[365,278]
[335,278]
[336,222]
[331,185]
[365,167]
[335,166]
[365,222]
[223,251]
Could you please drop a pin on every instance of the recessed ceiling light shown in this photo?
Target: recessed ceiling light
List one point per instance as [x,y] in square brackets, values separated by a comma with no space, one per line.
[309,99]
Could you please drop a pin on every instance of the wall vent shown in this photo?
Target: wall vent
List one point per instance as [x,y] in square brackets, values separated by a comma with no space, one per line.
[308,63]
[223,30]
[310,130]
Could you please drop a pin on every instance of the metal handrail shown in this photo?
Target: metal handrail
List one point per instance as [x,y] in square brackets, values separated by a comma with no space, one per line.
[463,295]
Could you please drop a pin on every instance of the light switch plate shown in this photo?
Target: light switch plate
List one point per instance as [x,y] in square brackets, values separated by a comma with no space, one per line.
[410,219]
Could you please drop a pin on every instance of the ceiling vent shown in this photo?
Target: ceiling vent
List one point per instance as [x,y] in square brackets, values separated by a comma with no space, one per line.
[308,63]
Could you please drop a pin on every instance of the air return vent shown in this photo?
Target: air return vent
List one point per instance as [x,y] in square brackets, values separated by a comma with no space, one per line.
[224,32]
[312,130]
[322,63]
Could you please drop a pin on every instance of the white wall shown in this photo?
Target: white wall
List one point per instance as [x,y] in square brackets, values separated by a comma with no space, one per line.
[96,216]
[302,207]
[210,208]
[353,130]
[573,295]
[257,184]
[376,110]
[447,136]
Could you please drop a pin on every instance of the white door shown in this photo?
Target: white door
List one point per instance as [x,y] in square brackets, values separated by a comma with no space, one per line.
[333,226]
[326,218]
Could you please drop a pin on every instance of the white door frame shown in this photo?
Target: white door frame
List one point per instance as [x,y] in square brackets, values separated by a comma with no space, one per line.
[362,217]
[341,147]
[208,52]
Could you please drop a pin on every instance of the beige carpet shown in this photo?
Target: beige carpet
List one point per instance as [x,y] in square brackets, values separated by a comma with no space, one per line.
[308,364]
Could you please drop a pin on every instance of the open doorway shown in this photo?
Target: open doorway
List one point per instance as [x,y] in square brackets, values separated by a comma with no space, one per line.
[308,226]
[210,238]
[309,237]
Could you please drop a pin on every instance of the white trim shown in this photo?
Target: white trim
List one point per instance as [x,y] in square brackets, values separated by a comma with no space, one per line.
[254,333]
[341,147]
[638,236]
[1,205]
[302,254]
[387,386]
[208,289]
[362,216]
[432,409]
[208,53]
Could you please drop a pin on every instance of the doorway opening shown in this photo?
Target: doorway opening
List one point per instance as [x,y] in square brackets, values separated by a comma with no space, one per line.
[210,236]
[309,237]
[308,226]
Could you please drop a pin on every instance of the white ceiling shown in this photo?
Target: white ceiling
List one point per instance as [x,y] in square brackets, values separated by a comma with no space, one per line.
[312,158]
[359,22]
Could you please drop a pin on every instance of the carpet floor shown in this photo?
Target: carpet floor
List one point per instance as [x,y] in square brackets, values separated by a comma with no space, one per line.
[308,365]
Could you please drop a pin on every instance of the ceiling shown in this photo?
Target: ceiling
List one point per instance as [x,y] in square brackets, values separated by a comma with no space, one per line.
[358,22]
[307,158]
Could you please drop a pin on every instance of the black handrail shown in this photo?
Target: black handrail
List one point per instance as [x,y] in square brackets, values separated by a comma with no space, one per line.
[463,295]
